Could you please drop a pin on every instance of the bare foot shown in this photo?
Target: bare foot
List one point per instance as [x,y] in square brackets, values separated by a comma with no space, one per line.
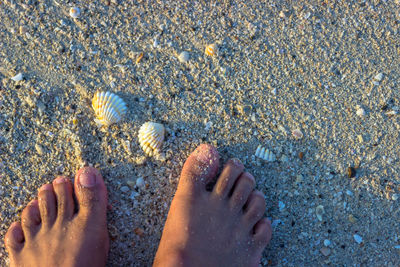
[224,227]
[53,233]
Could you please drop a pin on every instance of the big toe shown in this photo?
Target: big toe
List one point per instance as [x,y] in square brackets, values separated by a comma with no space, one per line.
[91,194]
[200,167]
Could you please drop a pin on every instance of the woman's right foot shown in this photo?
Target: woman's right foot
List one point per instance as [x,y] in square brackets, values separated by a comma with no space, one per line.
[224,227]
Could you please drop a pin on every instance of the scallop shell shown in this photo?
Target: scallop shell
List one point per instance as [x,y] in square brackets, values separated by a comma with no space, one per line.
[211,50]
[265,154]
[151,138]
[75,12]
[109,108]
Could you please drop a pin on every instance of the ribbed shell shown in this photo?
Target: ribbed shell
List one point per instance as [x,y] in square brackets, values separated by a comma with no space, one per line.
[151,137]
[265,154]
[211,50]
[109,108]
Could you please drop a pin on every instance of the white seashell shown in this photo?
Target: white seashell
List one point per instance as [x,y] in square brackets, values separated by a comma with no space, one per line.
[378,77]
[211,50]
[183,57]
[151,137]
[75,12]
[265,154]
[109,108]
[17,77]
[360,112]
[297,133]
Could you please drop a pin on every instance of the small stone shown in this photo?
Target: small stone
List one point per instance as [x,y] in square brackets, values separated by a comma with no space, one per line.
[23,29]
[281,205]
[358,238]
[140,182]
[378,77]
[327,242]
[301,155]
[39,149]
[184,57]
[75,12]
[297,134]
[352,219]
[325,251]
[124,189]
[351,172]
[319,211]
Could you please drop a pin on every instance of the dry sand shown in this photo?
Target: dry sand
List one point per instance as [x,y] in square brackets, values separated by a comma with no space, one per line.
[281,66]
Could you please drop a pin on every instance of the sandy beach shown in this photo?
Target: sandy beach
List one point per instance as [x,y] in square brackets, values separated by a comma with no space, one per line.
[327,69]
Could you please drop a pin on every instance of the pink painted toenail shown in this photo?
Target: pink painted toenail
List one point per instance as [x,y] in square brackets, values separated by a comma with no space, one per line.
[46,187]
[87,179]
[60,180]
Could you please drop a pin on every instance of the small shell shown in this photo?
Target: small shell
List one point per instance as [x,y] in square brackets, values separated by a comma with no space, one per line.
[151,138]
[265,154]
[17,77]
[75,12]
[109,108]
[139,58]
[297,133]
[211,50]
[360,112]
[183,57]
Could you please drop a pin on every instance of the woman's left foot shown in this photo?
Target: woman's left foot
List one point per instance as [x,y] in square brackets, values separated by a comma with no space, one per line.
[54,231]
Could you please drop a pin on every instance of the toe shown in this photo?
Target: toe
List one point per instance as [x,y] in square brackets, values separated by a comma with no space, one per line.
[14,238]
[47,205]
[65,202]
[255,208]
[199,169]
[30,219]
[227,179]
[262,236]
[262,233]
[241,191]
[91,194]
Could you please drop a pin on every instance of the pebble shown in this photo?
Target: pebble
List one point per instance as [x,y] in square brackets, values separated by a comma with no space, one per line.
[23,29]
[124,189]
[358,238]
[378,77]
[75,12]
[281,205]
[319,211]
[327,242]
[140,182]
[183,57]
[297,134]
[39,149]
[325,251]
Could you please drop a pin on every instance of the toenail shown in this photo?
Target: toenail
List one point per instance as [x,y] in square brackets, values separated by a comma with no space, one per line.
[45,187]
[205,156]
[236,162]
[87,179]
[60,180]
